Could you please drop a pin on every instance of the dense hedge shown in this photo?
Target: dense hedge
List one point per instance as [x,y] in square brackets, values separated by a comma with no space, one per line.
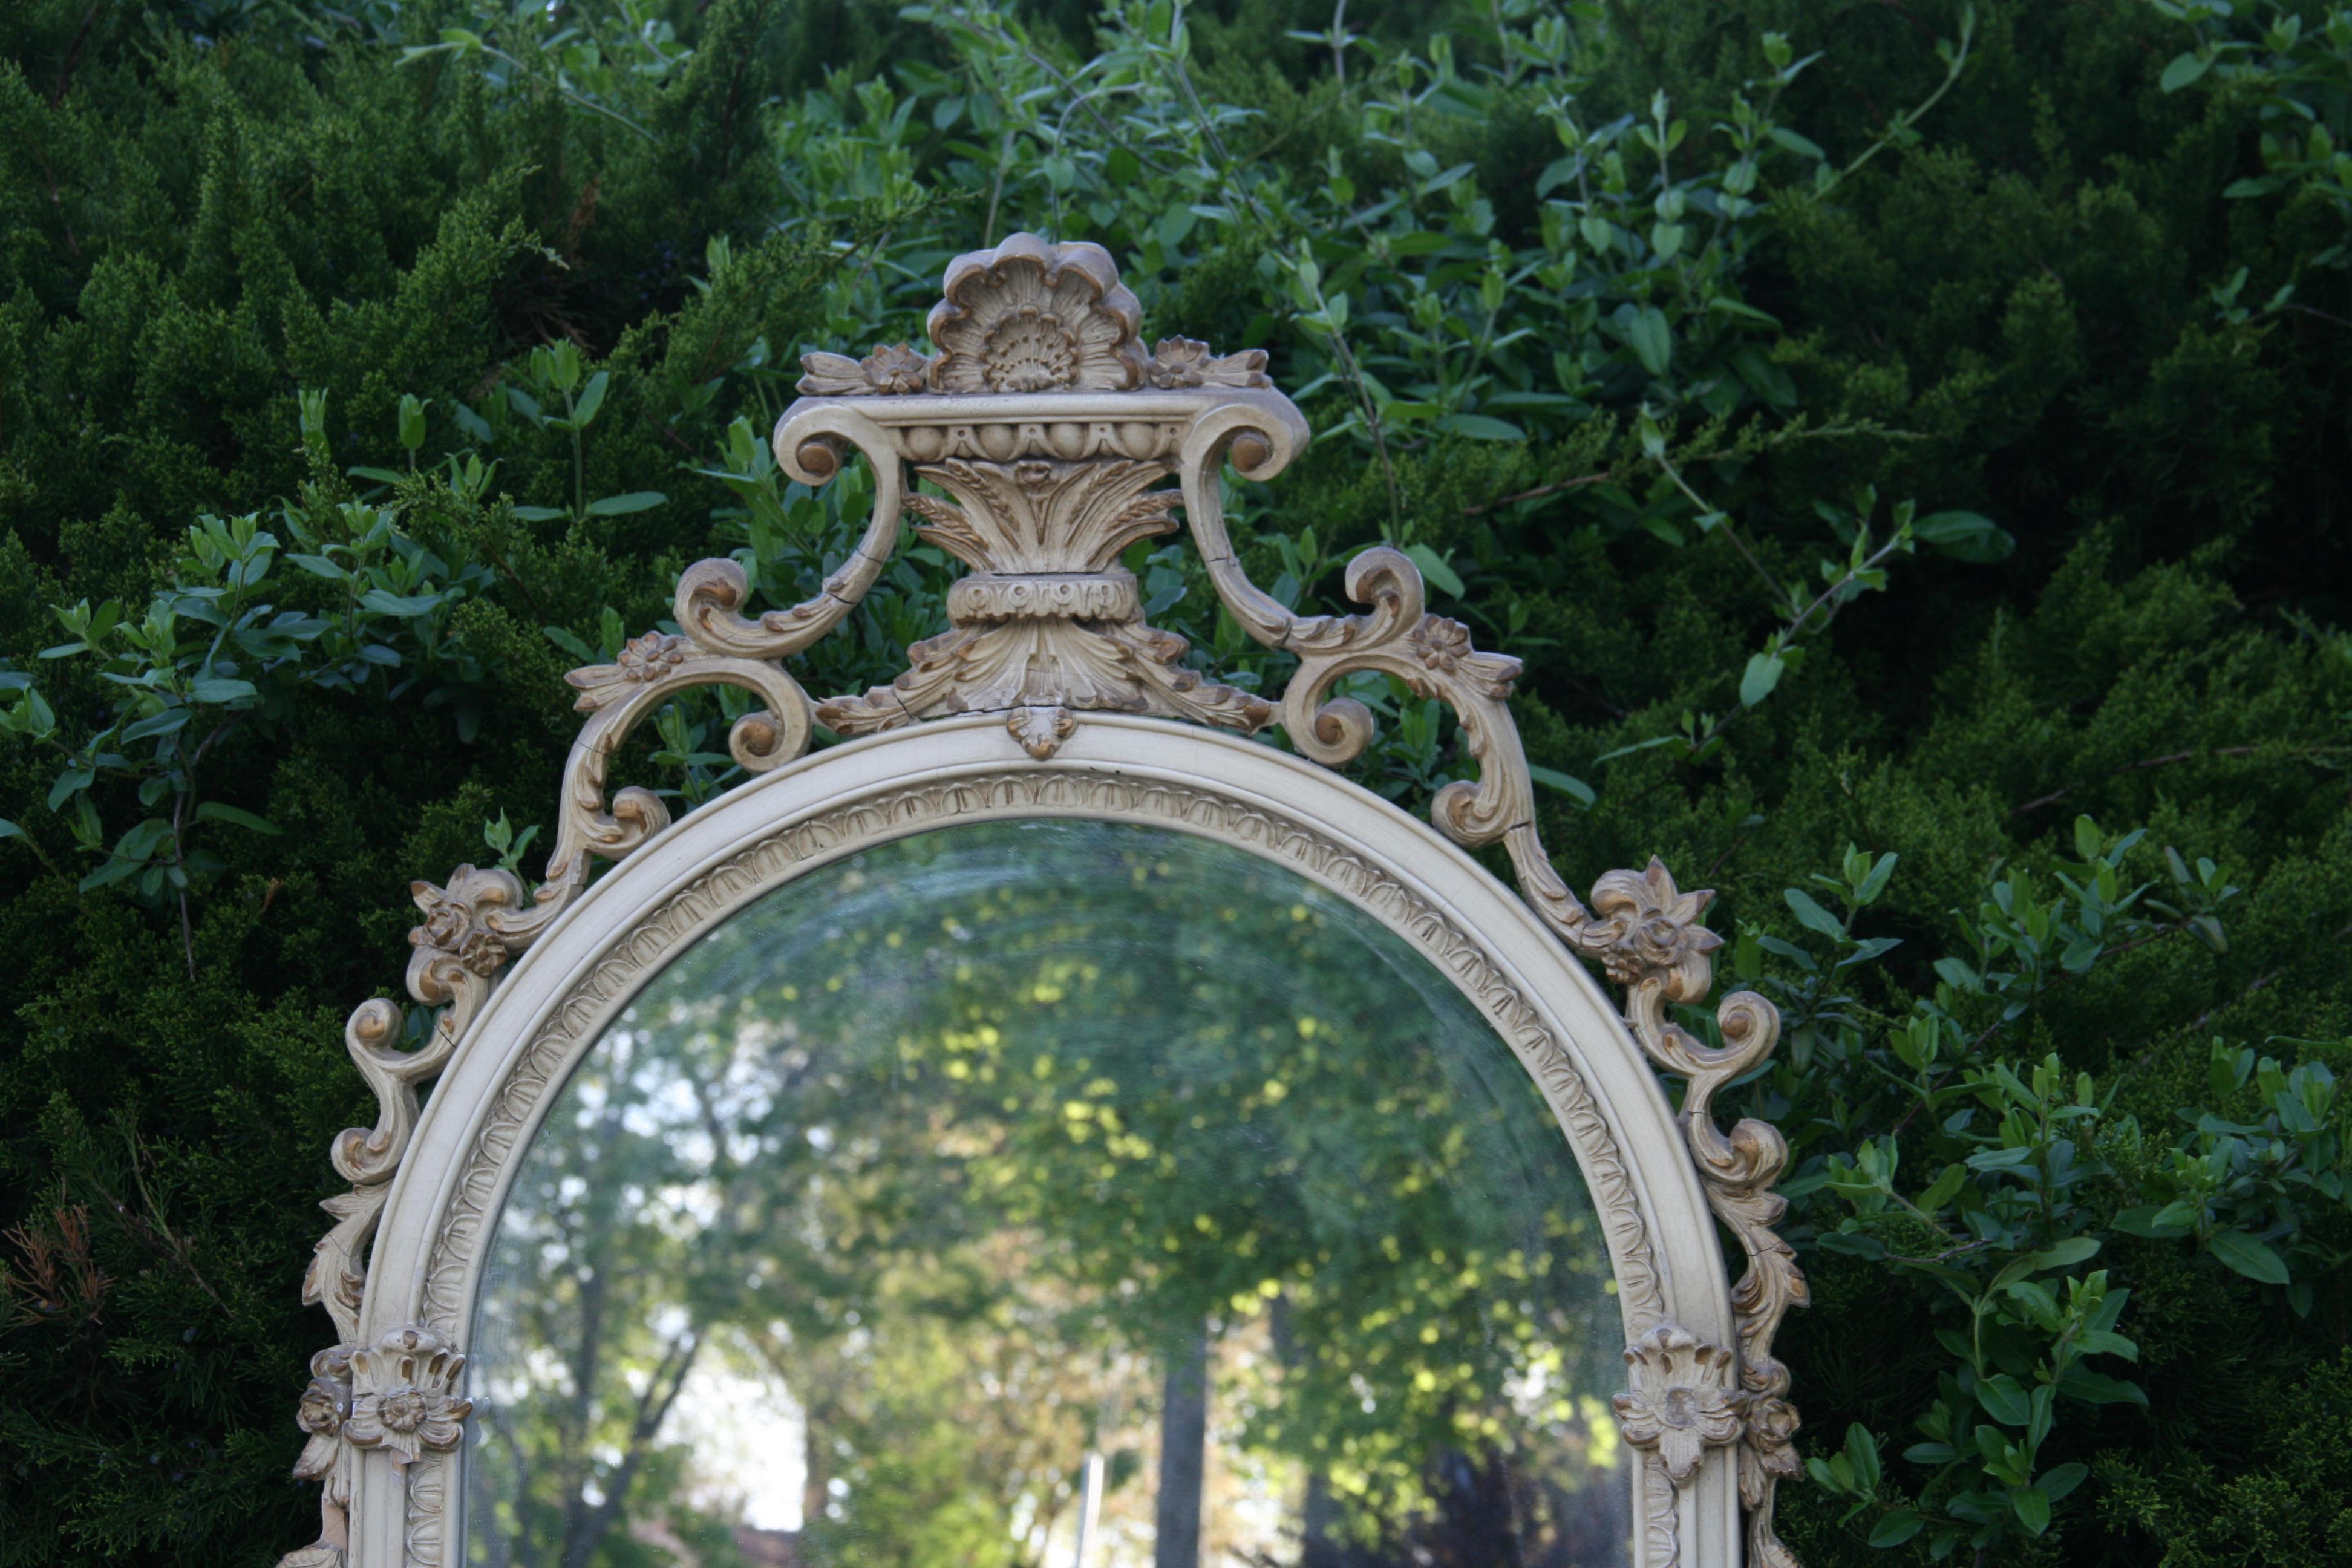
[1640,326]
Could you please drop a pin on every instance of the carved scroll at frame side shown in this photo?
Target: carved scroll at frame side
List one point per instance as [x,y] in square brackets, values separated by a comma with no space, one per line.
[1645,934]
[472,927]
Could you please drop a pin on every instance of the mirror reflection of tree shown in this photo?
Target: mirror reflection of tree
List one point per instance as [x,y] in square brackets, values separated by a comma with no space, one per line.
[1013,1177]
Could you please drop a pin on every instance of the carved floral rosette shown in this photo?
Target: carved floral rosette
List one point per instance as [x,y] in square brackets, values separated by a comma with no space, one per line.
[1039,435]
[399,1394]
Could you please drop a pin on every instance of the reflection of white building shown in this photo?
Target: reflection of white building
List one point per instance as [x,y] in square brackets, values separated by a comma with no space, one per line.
[747,1441]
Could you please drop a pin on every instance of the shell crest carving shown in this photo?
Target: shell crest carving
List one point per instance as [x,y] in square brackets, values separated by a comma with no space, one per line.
[1033,316]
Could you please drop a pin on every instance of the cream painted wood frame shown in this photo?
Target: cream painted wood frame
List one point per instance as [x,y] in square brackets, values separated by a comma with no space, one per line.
[1045,423]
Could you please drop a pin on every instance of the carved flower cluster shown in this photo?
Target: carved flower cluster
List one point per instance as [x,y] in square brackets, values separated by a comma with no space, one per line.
[892,370]
[398,1395]
[1441,643]
[405,1399]
[650,656]
[1443,647]
[1646,928]
[1181,363]
[1680,1402]
[453,921]
[1772,1424]
[326,1406]
[407,1421]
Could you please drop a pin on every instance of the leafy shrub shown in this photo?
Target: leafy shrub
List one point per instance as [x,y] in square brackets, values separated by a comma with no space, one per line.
[363,368]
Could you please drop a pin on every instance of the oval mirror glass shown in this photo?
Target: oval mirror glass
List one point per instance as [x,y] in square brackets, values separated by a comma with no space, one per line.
[1048,1194]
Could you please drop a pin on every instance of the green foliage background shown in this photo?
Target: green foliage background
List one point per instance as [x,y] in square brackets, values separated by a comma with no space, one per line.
[2073,282]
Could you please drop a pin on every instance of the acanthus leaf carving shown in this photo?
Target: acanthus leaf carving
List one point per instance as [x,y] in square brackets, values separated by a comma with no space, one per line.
[1048,617]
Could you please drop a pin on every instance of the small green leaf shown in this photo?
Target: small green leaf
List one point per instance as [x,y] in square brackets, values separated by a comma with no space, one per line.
[412,420]
[570,644]
[1897,1527]
[1809,912]
[2064,1254]
[2004,1400]
[2253,1259]
[1652,742]
[384,602]
[1481,428]
[1434,568]
[614,506]
[217,689]
[1861,1453]
[1798,145]
[2060,1479]
[2184,69]
[1943,1188]
[2032,1505]
[1763,673]
[10,830]
[112,871]
[1965,536]
[1745,312]
[1576,789]
[2098,1388]
[1956,973]
[213,811]
[591,399]
[1653,339]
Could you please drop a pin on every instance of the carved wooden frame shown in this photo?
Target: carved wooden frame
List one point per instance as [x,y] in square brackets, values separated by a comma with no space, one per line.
[1043,419]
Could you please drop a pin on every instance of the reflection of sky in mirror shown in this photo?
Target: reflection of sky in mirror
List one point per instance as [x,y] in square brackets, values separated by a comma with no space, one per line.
[1017,1182]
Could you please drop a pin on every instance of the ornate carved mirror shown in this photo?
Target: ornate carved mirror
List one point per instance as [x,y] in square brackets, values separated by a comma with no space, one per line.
[1051,1127]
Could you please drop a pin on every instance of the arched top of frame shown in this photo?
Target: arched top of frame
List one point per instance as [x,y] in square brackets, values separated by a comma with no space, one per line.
[1050,432]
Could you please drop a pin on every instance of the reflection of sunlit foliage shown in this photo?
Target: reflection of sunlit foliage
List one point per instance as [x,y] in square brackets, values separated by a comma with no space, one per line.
[961,1140]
